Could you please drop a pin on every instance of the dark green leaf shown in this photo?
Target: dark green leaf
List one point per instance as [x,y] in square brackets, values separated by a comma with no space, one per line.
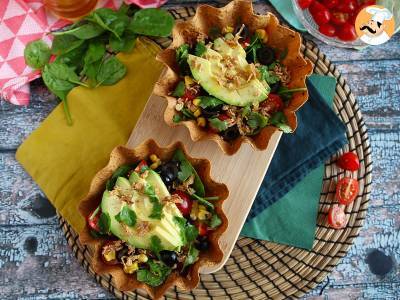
[179,90]
[157,210]
[95,52]
[111,71]
[125,44]
[73,58]
[267,75]
[186,171]
[187,113]
[155,245]
[122,171]
[182,53]
[215,221]
[279,120]
[37,54]
[104,223]
[64,44]
[109,20]
[256,120]
[156,275]
[218,124]
[84,32]
[251,50]
[181,222]
[188,231]
[126,216]
[192,257]
[152,22]
[209,102]
[200,49]
[203,201]
[59,86]
[176,118]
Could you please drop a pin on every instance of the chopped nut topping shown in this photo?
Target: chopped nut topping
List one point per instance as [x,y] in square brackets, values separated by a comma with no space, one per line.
[142,228]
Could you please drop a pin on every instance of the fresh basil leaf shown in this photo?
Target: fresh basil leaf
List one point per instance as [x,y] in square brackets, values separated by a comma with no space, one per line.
[125,44]
[209,102]
[152,22]
[156,275]
[84,32]
[64,44]
[200,49]
[267,75]
[104,223]
[215,221]
[176,118]
[37,54]
[155,245]
[122,171]
[126,216]
[192,256]
[256,120]
[179,90]
[111,71]
[203,201]
[218,124]
[198,185]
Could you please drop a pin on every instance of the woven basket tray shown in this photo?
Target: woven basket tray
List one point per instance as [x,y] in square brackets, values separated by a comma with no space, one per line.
[260,269]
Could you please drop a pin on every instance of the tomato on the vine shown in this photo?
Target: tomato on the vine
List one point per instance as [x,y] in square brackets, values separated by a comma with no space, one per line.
[327,29]
[185,206]
[330,3]
[347,32]
[349,161]
[304,3]
[336,217]
[347,190]
[322,17]
[339,18]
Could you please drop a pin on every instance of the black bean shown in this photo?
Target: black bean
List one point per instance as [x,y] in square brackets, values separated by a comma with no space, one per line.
[266,55]
[231,133]
[275,87]
[168,257]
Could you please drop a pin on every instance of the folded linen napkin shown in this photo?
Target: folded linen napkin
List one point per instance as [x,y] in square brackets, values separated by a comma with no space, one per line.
[295,174]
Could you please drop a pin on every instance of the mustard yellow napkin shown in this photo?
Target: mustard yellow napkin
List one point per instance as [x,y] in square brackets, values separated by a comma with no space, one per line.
[63,159]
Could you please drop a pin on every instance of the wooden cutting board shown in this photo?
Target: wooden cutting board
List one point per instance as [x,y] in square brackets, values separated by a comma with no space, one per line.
[242,172]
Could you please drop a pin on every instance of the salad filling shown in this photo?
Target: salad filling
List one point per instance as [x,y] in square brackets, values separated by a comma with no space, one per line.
[155,217]
[232,83]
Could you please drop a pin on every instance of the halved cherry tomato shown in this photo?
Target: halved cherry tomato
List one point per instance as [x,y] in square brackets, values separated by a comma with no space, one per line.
[330,3]
[93,219]
[223,117]
[304,3]
[327,29]
[349,161]
[245,43]
[203,228]
[347,6]
[190,94]
[339,18]
[347,32]
[336,217]
[273,103]
[346,190]
[112,261]
[140,166]
[186,205]
[322,16]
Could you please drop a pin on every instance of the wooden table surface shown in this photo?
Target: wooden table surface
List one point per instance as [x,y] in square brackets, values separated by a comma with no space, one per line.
[36,262]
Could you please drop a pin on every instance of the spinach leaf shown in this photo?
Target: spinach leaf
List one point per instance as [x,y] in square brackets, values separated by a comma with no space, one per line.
[267,75]
[203,201]
[152,22]
[185,171]
[198,184]
[56,84]
[125,44]
[188,231]
[109,20]
[256,120]
[111,71]
[126,216]
[215,221]
[155,245]
[84,32]
[37,54]
[104,223]
[122,171]
[200,49]
[64,44]
[279,120]
[192,256]
[179,90]
[218,124]
[95,52]
[73,58]
[209,102]
[156,275]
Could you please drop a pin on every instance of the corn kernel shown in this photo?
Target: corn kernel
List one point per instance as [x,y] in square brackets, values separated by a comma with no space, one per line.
[194,211]
[197,112]
[143,258]
[228,29]
[203,215]
[155,165]
[154,158]
[189,81]
[109,255]
[130,269]
[201,122]
[202,207]
[265,39]
[196,101]
[261,33]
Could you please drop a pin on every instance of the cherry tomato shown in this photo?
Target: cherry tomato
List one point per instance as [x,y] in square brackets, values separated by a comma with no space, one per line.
[93,219]
[330,3]
[273,103]
[347,32]
[346,190]
[186,205]
[190,94]
[336,217]
[347,6]
[223,117]
[140,166]
[327,29]
[109,262]
[203,228]
[366,2]
[245,42]
[316,7]
[322,17]
[339,18]
[349,161]
[304,3]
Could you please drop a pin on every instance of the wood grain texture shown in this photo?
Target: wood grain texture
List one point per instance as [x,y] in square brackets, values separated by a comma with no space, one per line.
[51,271]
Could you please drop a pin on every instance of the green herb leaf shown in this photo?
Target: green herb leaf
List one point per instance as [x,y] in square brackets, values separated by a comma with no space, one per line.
[185,171]
[37,54]
[55,81]
[215,221]
[187,113]
[126,216]
[256,120]
[192,257]
[181,222]
[267,75]
[109,20]
[73,58]
[157,210]
[155,245]
[64,44]
[152,21]
[84,32]
[111,71]
[188,231]
[125,44]
[182,53]
[176,118]
[218,124]
[246,111]
[122,171]
[179,90]
[203,201]
[200,49]
[279,120]
[156,275]
[209,102]
[251,50]
[104,223]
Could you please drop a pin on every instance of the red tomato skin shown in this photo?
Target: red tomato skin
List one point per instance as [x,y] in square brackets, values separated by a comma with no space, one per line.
[349,161]
[140,166]
[245,43]
[348,185]
[273,103]
[347,32]
[327,29]
[189,95]
[315,7]
[337,217]
[203,228]
[93,220]
[322,17]
[348,6]
[304,4]
[339,18]
[223,117]
[186,206]
[330,3]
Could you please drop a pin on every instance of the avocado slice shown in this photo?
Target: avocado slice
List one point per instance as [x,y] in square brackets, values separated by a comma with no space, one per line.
[166,228]
[223,72]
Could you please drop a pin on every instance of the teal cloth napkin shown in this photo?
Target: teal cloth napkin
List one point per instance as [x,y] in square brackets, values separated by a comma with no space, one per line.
[301,202]
[285,8]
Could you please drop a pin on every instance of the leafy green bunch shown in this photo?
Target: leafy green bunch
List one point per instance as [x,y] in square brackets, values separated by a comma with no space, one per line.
[85,51]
